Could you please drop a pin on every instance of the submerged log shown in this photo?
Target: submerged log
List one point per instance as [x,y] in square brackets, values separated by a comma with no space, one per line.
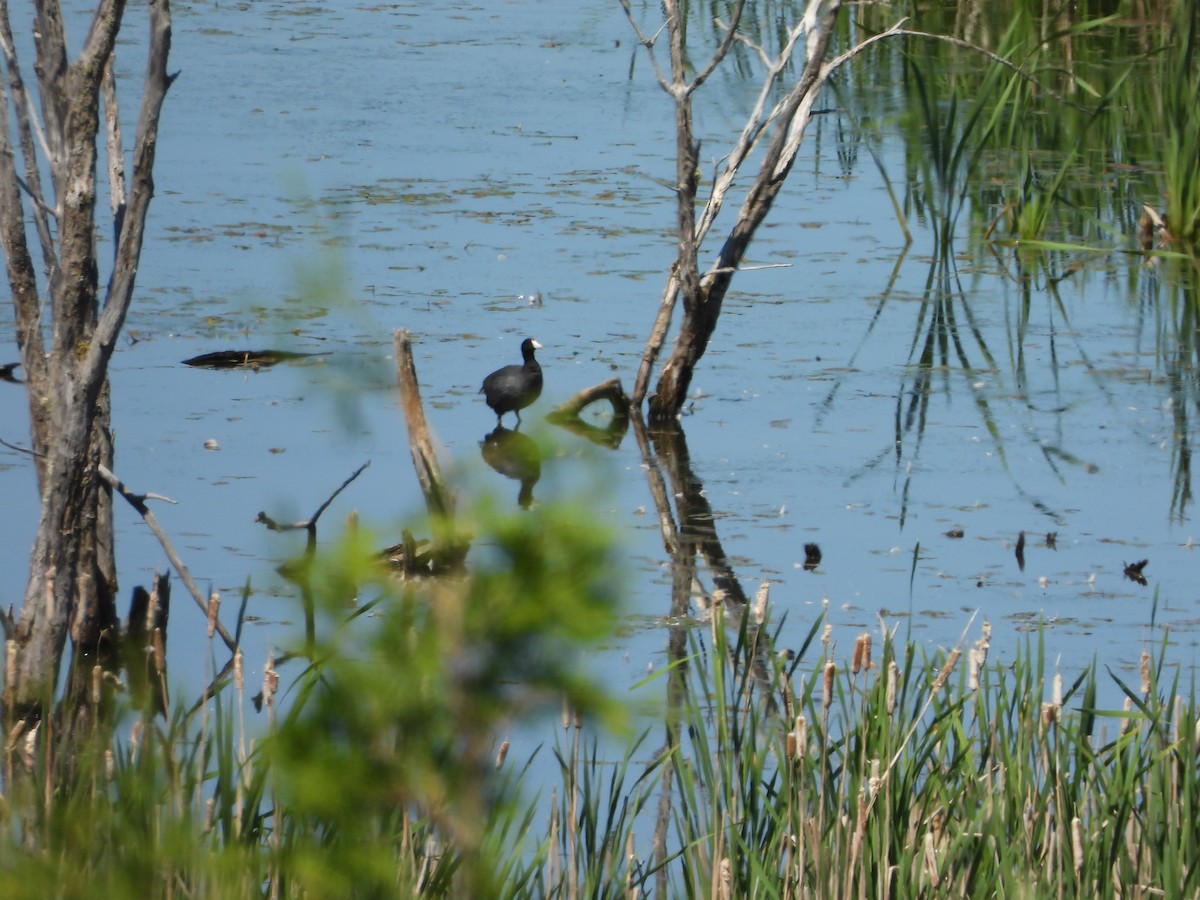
[245,359]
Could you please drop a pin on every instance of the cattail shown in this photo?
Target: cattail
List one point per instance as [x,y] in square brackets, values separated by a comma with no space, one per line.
[893,677]
[797,740]
[210,810]
[152,606]
[862,653]
[214,606]
[975,659]
[931,869]
[874,781]
[1048,717]
[135,740]
[1126,719]
[827,695]
[1145,673]
[160,653]
[110,764]
[760,601]
[860,829]
[566,713]
[239,675]
[502,754]
[951,661]
[785,691]
[826,634]
[97,681]
[270,680]
[726,879]
[1057,695]
[1077,843]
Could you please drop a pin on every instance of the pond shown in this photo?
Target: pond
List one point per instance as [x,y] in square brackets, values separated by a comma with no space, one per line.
[479,173]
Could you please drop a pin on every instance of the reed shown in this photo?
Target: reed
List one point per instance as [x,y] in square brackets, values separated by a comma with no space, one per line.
[879,771]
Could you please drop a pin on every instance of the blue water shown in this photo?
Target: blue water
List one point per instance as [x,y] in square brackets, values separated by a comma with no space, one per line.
[327,175]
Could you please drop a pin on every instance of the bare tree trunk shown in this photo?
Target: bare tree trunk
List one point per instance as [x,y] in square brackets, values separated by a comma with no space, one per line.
[72,577]
[703,295]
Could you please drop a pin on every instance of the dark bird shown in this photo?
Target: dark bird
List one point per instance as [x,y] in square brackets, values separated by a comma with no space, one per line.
[1133,572]
[812,557]
[513,388]
[1021,551]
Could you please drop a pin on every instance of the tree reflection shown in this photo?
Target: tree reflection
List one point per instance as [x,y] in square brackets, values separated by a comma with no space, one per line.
[689,534]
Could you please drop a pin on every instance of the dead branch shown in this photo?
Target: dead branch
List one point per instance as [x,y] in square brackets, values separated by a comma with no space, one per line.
[138,502]
[567,415]
[439,500]
[310,524]
[610,390]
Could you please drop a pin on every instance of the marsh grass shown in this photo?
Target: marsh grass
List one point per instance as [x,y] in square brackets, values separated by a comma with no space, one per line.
[870,771]
[1171,98]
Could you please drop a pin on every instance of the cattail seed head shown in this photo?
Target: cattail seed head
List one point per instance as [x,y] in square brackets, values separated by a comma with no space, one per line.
[951,661]
[1048,715]
[1077,843]
[931,868]
[1145,673]
[893,677]
[270,680]
[827,685]
[797,740]
[214,606]
[97,681]
[502,754]
[726,883]
[160,652]
[760,601]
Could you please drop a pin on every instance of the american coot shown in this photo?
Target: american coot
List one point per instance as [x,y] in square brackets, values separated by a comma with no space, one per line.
[513,388]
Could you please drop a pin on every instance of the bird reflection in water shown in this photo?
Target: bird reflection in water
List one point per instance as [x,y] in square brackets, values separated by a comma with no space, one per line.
[514,456]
